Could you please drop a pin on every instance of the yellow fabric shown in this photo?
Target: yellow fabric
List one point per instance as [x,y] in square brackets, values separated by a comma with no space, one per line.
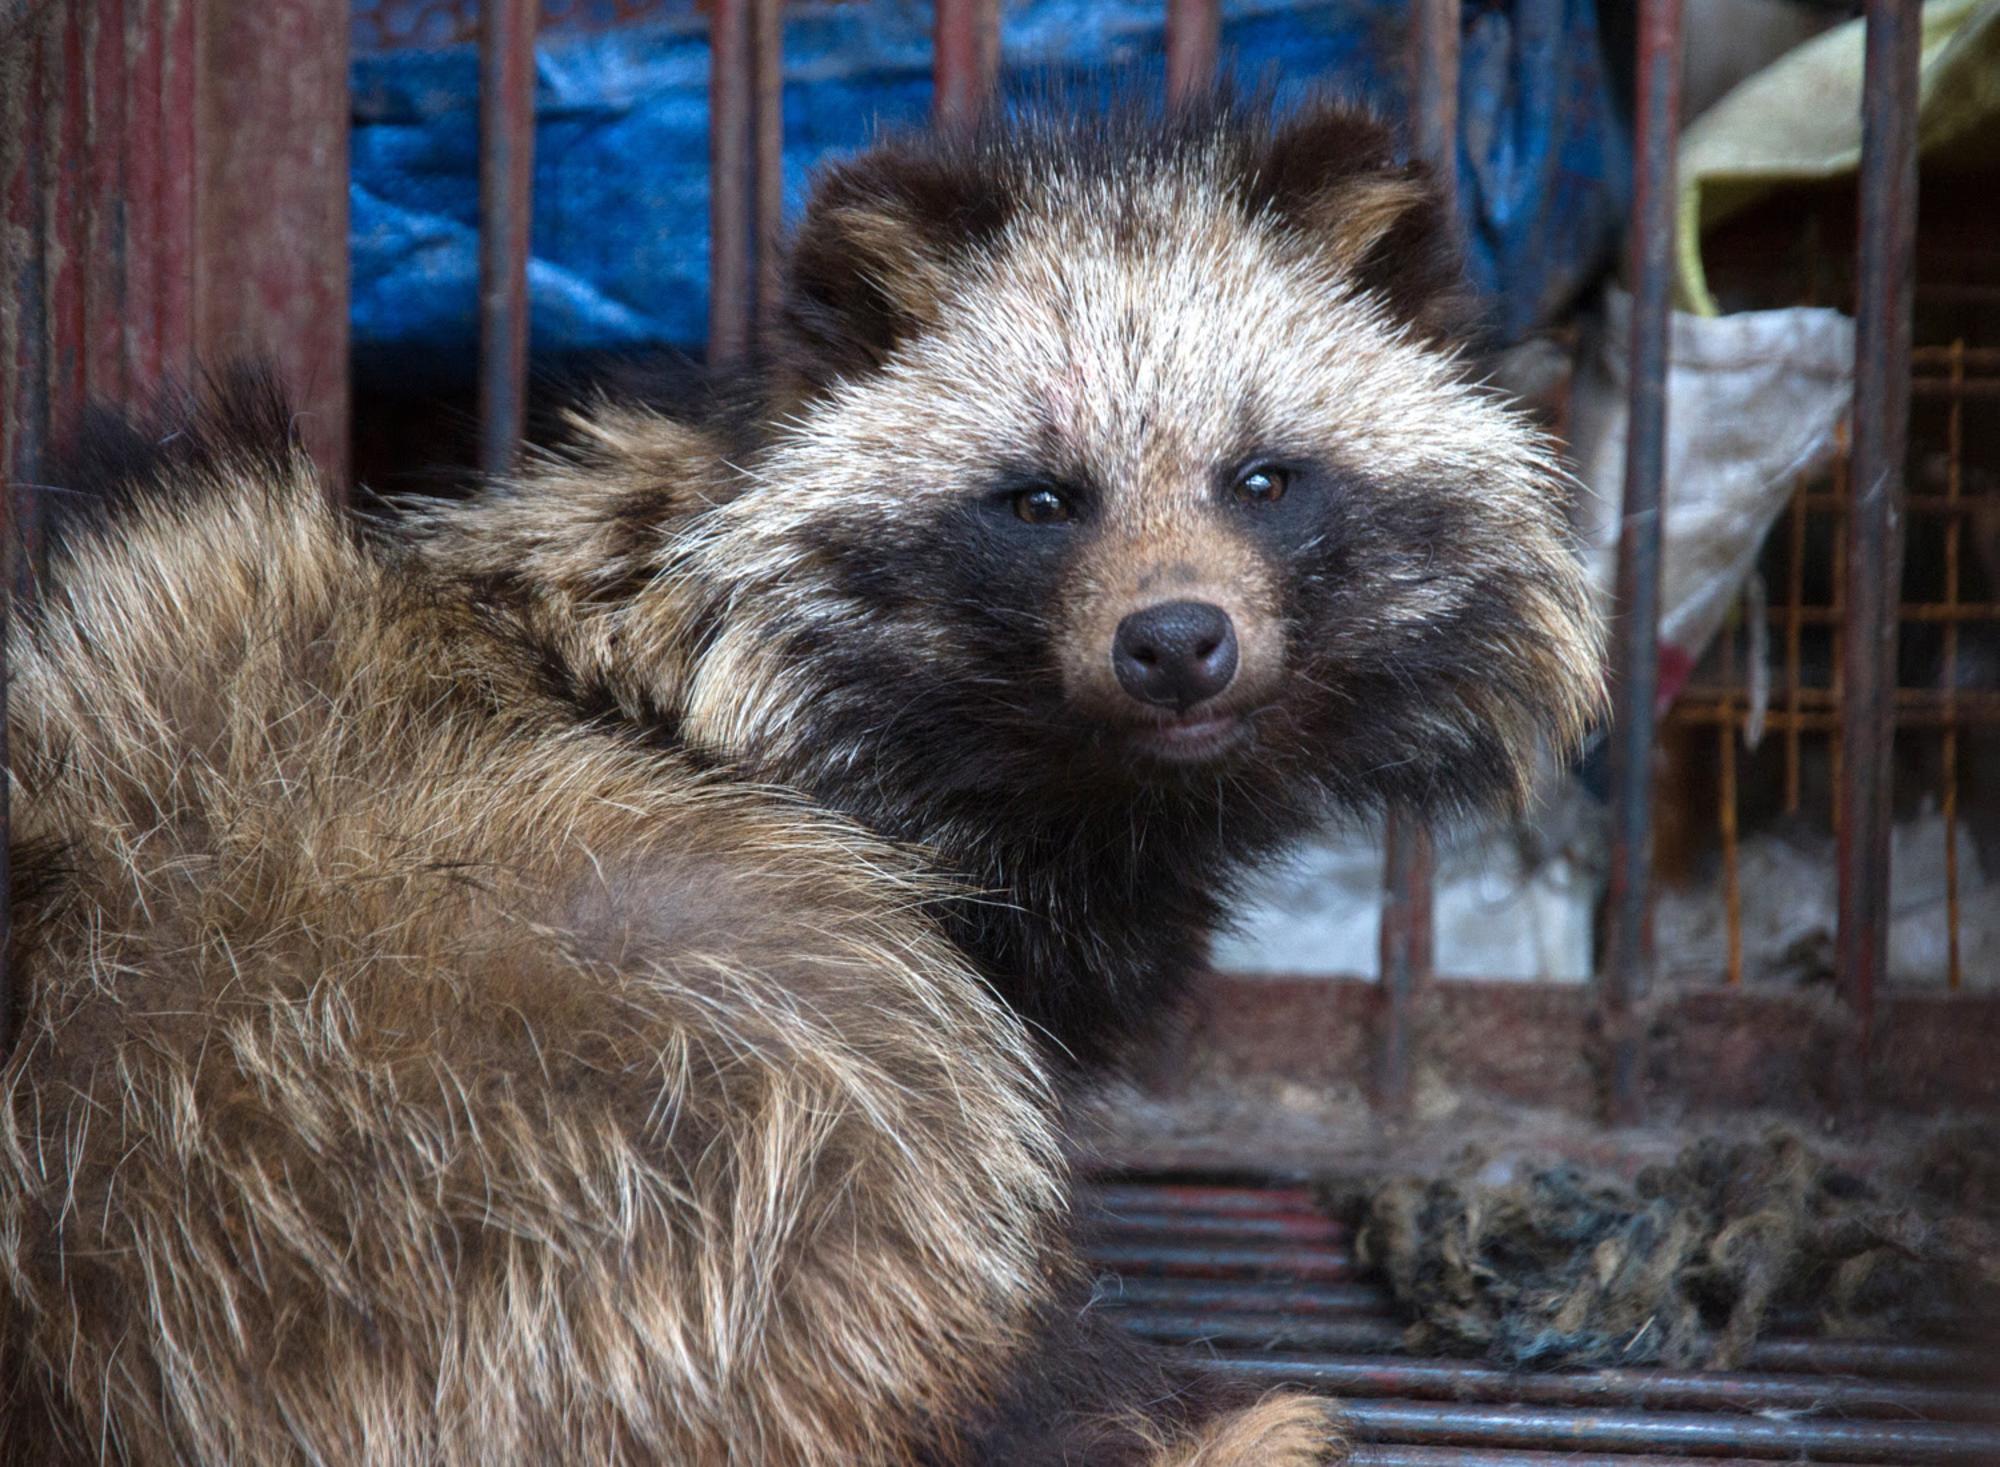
[1799,121]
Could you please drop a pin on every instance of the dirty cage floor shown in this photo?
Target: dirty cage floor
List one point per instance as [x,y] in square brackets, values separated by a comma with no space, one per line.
[1251,1275]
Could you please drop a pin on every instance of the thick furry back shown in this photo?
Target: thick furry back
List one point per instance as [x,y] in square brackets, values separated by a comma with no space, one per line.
[412,1073]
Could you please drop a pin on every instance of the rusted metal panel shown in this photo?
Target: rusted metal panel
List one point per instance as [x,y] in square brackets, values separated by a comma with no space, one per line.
[731,184]
[965,59]
[1627,958]
[1194,36]
[105,256]
[506,215]
[1875,517]
[271,190]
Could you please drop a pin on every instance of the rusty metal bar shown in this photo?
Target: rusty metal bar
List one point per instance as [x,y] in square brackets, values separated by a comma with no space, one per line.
[1956,357]
[175,240]
[1531,1426]
[24,240]
[1434,39]
[767,44]
[1834,503]
[965,59]
[1226,1260]
[1407,937]
[1778,720]
[730,186]
[1182,1296]
[1727,732]
[506,213]
[1365,1335]
[1196,1197]
[1650,1389]
[7,995]
[1194,40]
[23,417]
[1871,1357]
[1406,948]
[1945,387]
[1794,613]
[1946,611]
[65,130]
[1241,1298]
[1383,1334]
[1874,536]
[1907,701]
[104,188]
[1627,960]
[1389,1454]
[144,55]
[1953,535]
[41,138]
[1293,1227]
[1840,478]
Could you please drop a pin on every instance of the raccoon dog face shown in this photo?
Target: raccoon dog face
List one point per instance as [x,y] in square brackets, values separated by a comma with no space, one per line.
[1132,458]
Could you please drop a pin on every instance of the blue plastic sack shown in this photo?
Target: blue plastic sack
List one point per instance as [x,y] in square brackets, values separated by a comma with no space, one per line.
[620,235]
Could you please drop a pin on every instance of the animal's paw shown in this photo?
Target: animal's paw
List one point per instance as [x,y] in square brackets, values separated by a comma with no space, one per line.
[1282,1430]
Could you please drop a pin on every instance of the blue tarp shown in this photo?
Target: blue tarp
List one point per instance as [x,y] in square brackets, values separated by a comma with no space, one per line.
[621,199]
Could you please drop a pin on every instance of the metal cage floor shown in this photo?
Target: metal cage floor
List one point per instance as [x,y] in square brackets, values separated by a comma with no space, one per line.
[1260,1282]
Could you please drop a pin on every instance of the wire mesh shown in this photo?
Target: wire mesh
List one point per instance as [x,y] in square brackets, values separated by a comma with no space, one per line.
[1776,669]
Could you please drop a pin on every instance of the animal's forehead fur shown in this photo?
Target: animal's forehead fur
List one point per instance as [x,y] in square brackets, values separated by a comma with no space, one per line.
[1145,331]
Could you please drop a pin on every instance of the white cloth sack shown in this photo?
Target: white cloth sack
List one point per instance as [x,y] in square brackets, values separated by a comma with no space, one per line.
[1754,400]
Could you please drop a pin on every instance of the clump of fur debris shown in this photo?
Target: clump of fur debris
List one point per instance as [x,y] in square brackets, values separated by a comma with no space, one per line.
[1685,1266]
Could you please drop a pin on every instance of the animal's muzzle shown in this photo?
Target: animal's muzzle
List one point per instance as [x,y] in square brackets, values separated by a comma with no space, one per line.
[1176,654]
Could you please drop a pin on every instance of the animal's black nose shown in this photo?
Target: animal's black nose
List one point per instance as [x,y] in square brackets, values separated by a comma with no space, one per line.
[1175,654]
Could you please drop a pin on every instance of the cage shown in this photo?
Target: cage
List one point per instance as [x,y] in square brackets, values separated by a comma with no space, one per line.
[175,178]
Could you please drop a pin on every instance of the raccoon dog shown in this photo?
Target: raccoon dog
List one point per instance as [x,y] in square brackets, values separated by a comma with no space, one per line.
[590,974]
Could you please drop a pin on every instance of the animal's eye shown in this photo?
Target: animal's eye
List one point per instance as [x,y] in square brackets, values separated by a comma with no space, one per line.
[1261,484]
[1041,505]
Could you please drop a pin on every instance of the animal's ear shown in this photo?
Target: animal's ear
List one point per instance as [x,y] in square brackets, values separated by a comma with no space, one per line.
[1331,174]
[874,254]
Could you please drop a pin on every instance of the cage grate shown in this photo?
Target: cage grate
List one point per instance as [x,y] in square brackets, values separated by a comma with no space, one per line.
[1262,1285]
[1945,709]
